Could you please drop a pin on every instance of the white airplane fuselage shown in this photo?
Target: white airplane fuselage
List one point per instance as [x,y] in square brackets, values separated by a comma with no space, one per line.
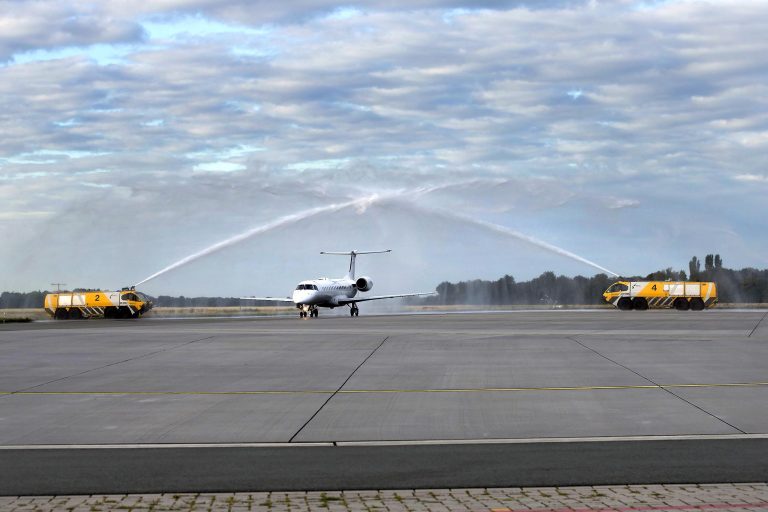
[329,293]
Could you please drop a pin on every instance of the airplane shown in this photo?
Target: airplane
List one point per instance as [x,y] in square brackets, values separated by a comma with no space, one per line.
[312,294]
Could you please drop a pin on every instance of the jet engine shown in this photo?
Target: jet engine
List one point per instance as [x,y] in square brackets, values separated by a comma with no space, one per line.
[364,283]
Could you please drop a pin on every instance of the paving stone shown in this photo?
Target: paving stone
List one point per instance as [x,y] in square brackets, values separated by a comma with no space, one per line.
[745,497]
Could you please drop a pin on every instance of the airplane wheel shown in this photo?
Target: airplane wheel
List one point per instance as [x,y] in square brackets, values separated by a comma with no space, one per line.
[316,313]
[357,312]
[697,304]
[352,312]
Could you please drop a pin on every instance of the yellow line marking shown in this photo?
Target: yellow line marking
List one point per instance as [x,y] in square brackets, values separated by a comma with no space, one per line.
[389,391]
[723,385]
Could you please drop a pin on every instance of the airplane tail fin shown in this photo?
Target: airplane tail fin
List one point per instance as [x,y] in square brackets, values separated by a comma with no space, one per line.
[352,255]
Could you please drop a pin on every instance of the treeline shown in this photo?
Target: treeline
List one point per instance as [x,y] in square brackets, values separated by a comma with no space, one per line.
[548,288]
[747,285]
[28,300]
[166,301]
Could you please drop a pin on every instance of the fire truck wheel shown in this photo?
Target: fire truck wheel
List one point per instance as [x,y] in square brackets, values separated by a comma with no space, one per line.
[625,304]
[682,304]
[60,314]
[697,304]
[75,314]
[639,303]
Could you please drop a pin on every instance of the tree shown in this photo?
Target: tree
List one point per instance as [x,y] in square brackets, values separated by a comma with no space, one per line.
[718,262]
[709,262]
[665,275]
[694,267]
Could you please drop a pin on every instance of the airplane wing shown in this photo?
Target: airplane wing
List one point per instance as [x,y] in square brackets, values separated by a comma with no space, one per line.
[271,299]
[379,297]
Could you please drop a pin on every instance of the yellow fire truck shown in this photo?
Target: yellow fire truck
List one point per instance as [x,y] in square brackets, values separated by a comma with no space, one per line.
[126,303]
[681,295]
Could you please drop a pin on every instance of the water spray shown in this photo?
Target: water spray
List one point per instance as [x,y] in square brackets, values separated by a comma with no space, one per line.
[269,226]
[497,228]
[361,205]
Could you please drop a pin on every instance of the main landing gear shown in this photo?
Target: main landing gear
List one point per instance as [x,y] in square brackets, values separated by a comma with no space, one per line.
[313,311]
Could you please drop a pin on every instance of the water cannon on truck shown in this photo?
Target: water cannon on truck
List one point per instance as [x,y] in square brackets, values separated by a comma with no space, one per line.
[126,303]
[642,295]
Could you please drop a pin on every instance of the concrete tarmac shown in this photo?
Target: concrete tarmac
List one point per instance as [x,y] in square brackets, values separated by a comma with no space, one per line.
[517,378]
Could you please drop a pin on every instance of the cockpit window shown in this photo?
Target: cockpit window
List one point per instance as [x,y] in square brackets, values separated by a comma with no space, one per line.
[130,296]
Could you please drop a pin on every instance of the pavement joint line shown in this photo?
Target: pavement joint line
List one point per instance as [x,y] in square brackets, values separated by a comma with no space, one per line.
[141,356]
[758,325]
[426,442]
[338,389]
[389,391]
[667,389]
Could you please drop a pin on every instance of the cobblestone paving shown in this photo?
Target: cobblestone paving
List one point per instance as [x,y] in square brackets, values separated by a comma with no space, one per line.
[630,498]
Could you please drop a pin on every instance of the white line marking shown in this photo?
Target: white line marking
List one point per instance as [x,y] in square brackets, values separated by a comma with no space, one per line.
[159,445]
[430,442]
[546,440]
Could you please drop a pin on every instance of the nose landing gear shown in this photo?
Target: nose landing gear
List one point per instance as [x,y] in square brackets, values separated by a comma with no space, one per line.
[311,311]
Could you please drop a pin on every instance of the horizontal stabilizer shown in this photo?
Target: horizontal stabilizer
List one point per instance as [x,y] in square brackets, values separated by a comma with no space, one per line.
[349,253]
[352,255]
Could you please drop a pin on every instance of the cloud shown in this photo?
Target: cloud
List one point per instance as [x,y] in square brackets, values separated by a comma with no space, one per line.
[752,178]
[196,119]
[616,204]
[45,25]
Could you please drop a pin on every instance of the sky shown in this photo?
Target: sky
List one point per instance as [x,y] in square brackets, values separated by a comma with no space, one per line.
[633,134]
